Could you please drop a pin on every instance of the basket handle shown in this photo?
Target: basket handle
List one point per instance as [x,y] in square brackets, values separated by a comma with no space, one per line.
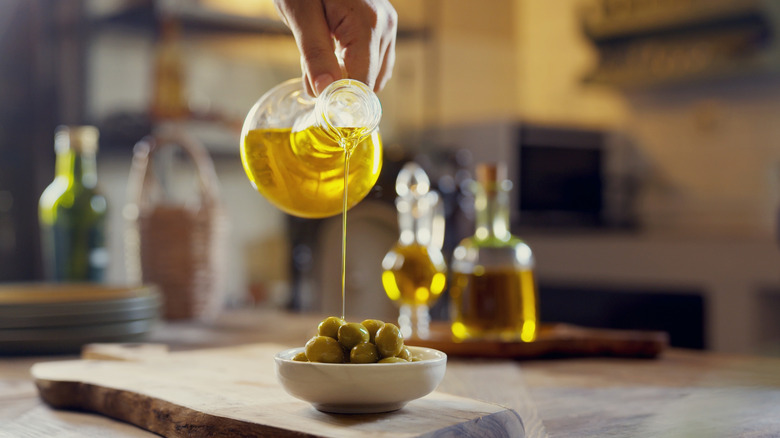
[142,176]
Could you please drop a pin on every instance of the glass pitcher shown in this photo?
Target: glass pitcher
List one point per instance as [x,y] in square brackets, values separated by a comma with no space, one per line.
[293,147]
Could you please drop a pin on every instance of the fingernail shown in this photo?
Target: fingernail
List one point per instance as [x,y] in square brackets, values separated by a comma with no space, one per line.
[322,81]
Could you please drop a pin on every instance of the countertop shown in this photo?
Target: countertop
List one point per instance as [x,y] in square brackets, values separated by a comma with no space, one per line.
[680,394]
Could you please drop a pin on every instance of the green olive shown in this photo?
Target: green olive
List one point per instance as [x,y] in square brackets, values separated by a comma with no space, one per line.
[393,360]
[405,354]
[372,325]
[324,349]
[364,352]
[351,334]
[330,327]
[389,341]
[300,357]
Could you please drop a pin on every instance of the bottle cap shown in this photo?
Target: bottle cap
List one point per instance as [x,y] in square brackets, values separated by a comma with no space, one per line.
[491,173]
[81,139]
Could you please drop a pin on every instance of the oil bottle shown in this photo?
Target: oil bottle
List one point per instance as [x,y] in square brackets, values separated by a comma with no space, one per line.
[493,291]
[72,211]
[414,271]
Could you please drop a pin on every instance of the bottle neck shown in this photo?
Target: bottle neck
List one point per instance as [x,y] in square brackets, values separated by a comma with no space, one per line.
[348,111]
[420,221]
[413,227]
[492,212]
[77,168]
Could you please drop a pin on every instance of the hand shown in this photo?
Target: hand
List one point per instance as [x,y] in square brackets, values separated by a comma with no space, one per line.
[359,32]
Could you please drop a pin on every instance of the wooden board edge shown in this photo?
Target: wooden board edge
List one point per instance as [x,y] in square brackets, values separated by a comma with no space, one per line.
[542,350]
[569,342]
[157,416]
[506,423]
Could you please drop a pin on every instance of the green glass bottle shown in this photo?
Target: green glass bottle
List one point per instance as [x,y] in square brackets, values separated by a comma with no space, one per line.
[72,212]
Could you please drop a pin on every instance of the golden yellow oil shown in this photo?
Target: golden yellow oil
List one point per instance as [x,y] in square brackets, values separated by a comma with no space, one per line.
[302,173]
[494,305]
[414,274]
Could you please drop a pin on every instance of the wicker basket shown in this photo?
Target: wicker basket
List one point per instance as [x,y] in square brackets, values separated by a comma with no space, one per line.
[181,249]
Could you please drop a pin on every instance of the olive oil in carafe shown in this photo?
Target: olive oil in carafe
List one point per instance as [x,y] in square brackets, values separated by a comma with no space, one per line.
[350,140]
[302,172]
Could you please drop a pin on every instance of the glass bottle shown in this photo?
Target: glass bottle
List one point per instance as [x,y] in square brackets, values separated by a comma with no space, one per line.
[293,146]
[414,271]
[168,100]
[493,292]
[72,212]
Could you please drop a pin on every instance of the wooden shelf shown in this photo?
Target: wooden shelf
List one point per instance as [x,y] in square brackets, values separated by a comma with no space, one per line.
[642,19]
[146,14]
[195,18]
[644,44]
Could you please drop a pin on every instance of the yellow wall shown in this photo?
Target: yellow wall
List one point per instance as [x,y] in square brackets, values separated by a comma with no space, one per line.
[553,58]
[514,59]
[475,69]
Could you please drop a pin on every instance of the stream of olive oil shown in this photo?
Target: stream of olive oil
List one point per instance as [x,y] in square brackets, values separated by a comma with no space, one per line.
[347,154]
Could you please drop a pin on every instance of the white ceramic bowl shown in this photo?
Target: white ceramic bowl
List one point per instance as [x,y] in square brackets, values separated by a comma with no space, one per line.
[361,388]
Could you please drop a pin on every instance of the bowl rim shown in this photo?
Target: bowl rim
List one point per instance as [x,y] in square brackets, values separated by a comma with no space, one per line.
[285,357]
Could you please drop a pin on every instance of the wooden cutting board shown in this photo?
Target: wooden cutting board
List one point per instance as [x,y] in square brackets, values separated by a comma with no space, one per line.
[234,392]
[553,340]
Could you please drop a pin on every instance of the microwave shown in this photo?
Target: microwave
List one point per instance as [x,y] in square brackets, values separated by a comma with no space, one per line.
[563,176]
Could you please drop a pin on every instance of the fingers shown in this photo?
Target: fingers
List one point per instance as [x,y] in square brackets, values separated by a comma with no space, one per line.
[305,79]
[387,50]
[361,59]
[365,32]
[306,19]
[362,32]
[386,70]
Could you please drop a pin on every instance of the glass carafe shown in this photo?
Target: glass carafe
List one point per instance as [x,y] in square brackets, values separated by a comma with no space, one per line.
[493,292]
[293,146]
[414,271]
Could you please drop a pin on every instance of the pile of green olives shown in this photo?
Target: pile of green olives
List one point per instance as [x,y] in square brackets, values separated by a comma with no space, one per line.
[371,341]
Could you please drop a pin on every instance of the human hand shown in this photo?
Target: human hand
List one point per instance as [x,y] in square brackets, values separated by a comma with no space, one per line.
[361,33]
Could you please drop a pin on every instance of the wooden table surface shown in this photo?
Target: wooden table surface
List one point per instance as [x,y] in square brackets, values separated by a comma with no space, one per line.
[680,394]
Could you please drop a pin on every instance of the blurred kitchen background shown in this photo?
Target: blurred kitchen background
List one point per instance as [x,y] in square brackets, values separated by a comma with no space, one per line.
[638,134]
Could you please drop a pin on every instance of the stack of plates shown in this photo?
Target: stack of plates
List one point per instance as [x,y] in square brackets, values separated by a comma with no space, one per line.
[61,318]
